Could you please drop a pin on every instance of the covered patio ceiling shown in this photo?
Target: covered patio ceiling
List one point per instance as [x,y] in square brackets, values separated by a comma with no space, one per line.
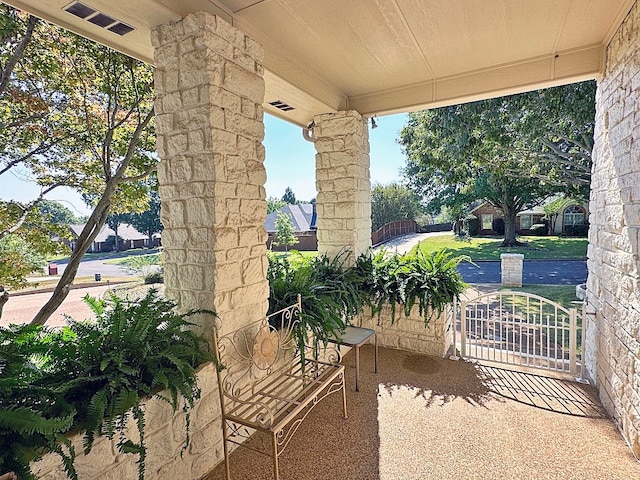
[382,56]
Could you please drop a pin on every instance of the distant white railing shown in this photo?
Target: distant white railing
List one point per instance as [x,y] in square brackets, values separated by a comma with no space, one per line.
[521,329]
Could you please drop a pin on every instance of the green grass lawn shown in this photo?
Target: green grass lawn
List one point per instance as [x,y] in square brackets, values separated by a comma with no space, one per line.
[488,248]
[561,294]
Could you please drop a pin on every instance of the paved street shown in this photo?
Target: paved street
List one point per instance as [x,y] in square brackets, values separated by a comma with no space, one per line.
[535,272]
[89,268]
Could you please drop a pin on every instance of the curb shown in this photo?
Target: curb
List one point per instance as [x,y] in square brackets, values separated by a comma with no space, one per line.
[19,293]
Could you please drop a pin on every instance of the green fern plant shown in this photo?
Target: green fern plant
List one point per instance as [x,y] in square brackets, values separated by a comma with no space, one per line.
[33,418]
[93,376]
[334,291]
[130,353]
[329,292]
[431,281]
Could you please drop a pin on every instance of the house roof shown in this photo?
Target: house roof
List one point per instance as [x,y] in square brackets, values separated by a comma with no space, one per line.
[301,216]
[125,231]
[538,209]
[385,56]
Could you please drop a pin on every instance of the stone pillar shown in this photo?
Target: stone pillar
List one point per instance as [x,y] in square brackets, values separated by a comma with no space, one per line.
[612,345]
[209,87]
[511,267]
[342,179]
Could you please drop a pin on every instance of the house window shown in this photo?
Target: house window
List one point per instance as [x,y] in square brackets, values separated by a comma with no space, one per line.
[526,221]
[487,221]
[574,215]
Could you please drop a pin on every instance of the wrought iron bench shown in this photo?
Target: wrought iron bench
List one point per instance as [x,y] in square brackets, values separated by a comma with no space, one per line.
[267,386]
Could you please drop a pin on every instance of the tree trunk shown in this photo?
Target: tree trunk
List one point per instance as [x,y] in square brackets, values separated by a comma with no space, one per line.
[115,230]
[150,233]
[510,229]
[4,298]
[89,233]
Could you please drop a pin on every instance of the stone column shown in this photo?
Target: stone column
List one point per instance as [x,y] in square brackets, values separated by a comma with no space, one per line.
[342,179]
[612,343]
[511,268]
[209,86]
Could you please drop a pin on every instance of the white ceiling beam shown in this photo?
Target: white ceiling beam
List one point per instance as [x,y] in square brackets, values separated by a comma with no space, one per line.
[562,68]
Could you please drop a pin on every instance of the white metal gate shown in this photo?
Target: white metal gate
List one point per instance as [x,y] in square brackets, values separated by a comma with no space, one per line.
[521,329]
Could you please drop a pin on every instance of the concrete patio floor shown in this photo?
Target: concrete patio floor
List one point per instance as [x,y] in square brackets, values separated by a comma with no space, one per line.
[425,417]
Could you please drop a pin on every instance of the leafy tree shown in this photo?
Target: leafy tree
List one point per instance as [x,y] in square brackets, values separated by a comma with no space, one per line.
[552,210]
[564,141]
[114,220]
[116,150]
[38,110]
[72,113]
[17,260]
[55,212]
[492,149]
[149,220]
[274,204]
[289,197]
[285,233]
[393,202]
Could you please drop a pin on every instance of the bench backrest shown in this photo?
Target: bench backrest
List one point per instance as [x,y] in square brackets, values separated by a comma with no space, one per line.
[250,356]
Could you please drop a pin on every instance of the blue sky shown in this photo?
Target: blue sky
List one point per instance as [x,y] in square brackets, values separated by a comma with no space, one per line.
[290,162]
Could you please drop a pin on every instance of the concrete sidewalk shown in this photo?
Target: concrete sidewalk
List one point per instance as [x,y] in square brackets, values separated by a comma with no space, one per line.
[404,243]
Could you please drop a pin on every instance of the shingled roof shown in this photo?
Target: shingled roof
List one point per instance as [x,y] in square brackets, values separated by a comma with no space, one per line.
[301,216]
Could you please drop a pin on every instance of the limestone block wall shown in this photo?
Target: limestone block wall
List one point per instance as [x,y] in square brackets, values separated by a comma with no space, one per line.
[613,287]
[343,182]
[511,268]
[409,333]
[165,434]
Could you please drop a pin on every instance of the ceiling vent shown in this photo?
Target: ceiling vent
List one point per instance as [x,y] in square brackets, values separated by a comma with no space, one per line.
[100,19]
[279,104]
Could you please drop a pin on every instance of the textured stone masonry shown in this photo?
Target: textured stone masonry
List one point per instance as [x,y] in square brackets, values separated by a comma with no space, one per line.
[165,436]
[210,89]
[209,94]
[342,180]
[409,333]
[613,287]
[511,267]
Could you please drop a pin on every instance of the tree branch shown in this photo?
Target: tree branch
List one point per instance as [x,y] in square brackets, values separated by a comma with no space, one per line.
[5,76]
[95,223]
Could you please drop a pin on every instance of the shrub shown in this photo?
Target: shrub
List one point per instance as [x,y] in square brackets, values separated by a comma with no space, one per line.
[334,292]
[576,230]
[497,225]
[538,229]
[154,277]
[431,281]
[329,292]
[473,226]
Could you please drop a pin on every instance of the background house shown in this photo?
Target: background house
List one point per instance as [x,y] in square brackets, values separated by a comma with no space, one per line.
[303,219]
[572,218]
[105,240]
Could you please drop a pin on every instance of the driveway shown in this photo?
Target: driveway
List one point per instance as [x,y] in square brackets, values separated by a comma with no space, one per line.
[22,308]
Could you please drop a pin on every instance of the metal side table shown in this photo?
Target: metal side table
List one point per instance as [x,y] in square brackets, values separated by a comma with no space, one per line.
[354,337]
